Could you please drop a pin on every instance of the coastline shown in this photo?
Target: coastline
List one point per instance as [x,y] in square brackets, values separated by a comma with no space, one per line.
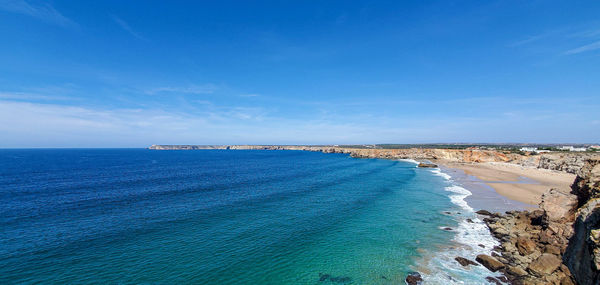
[516,183]
[526,243]
[554,243]
[472,236]
[483,196]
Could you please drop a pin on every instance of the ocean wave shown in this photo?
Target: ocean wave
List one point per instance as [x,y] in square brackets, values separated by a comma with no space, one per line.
[471,239]
[459,198]
[439,172]
[409,160]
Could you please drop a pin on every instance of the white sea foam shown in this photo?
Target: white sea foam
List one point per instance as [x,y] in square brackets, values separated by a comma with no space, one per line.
[459,197]
[409,160]
[469,236]
[439,172]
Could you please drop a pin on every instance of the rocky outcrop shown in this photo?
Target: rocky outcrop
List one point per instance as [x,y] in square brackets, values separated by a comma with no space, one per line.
[558,205]
[464,261]
[427,165]
[489,262]
[558,243]
[583,253]
[531,247]
[414,278]
[570,162]
[544,265]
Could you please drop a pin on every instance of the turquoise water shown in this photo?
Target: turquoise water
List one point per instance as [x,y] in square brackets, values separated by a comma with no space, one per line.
[216,217]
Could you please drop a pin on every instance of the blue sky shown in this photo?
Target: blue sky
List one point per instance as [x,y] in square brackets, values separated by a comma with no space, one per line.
[135,73]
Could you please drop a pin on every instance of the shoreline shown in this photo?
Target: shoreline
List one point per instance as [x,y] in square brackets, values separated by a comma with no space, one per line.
[547,244]
[483,196]
[526,242]
[524,185]
[471,235]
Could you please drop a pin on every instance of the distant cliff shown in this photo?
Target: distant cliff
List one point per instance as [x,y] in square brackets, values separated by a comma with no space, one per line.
[568,162]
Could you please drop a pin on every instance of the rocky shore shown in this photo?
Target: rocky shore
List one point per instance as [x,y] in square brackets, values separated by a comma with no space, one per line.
[559,243]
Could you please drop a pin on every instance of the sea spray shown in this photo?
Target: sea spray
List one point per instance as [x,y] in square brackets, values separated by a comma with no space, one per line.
[472,238]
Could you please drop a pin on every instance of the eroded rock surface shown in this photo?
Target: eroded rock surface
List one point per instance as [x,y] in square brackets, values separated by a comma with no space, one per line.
[464,261]
[558,243]
[489,262]
[583,253]
[414,278]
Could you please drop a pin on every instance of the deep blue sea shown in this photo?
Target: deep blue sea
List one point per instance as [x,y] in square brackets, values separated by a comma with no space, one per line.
[227,217]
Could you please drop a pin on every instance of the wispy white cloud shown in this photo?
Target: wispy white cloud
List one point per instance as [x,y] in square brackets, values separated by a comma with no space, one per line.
[572,35]
[585,48]
[589,33]
[27,124]
[549,34]
[41,93]
[249,95]
[44,12]
[191,89]
[529,40]
[126,27]
[26,96]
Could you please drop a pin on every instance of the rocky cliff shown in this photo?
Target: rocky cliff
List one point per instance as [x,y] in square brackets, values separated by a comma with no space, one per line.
[456,155]
[568,162]
[531,247]
[583,253]
[565,161]
[558,243]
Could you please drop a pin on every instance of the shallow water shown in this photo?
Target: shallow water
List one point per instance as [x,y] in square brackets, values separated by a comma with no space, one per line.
[222,217]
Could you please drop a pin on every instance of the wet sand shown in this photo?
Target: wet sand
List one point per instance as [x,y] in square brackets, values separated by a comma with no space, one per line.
[522,184]
[483,196]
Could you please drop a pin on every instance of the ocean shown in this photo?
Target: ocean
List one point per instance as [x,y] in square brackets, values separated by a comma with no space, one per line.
[231,217]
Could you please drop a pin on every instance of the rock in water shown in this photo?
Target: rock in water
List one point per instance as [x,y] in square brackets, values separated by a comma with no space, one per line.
[414,278]
[484,212]
[323,277]
[464,262]
[341,279]
[545,264]
[493,280]
[489,262]
[427,165]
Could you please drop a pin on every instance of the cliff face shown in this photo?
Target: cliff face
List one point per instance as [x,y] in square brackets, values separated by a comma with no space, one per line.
[457,155]
[583,253]
[568,162]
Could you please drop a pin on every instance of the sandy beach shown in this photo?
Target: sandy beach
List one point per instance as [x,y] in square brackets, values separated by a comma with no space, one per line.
[516,182]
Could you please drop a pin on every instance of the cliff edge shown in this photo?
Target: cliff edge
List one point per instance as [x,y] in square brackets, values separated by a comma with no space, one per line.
[583,252]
